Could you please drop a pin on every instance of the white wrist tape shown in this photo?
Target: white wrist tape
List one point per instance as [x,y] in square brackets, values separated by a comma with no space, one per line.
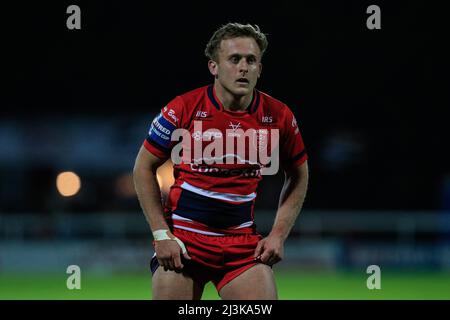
[161,234]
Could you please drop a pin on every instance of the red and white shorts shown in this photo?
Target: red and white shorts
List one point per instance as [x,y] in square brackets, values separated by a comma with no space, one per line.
[219,259]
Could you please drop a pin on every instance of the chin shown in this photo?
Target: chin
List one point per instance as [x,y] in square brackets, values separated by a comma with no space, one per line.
[242,91]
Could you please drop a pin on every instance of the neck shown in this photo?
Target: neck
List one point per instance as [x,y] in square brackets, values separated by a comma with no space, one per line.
[232,102]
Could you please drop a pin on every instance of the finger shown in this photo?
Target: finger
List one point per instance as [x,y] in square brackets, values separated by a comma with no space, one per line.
[177,262]
[170,265]
[266,256]
[258,249]
[163,264]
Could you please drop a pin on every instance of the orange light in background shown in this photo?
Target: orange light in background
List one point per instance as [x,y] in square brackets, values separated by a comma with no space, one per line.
[68,183]
[165,178]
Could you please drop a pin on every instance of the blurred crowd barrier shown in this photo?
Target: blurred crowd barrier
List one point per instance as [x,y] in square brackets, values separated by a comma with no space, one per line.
[108,242]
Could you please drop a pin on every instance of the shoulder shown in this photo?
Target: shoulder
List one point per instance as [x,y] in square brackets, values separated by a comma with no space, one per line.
[274,107]
[194,96]
[182,108]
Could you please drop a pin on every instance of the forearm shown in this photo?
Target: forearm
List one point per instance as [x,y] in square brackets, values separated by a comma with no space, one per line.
[291,201]
[149,195]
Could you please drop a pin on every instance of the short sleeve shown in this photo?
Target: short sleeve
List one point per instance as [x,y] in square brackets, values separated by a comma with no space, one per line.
[158,140]
[293,152]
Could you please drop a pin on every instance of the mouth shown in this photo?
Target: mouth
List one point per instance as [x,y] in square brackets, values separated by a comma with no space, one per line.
[243,81]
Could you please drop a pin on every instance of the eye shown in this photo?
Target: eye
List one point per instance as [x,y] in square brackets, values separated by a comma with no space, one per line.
[251,60]
[234,59]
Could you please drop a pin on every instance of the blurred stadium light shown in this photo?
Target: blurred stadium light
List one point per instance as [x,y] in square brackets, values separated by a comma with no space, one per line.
[68,183]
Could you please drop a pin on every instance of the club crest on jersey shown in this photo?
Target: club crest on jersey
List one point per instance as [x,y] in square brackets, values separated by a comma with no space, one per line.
[232,133]
[234,126]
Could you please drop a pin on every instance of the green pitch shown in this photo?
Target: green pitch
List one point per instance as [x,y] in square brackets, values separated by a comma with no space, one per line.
[291,285]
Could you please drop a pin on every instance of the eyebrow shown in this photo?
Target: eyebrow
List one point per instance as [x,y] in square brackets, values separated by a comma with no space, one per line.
[242,55]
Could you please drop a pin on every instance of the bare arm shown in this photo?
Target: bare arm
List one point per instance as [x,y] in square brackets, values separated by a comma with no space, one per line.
[149,195]
[271,249]
[291,200]
[147,188]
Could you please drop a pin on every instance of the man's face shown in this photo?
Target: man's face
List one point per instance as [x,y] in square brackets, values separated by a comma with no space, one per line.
[239,65]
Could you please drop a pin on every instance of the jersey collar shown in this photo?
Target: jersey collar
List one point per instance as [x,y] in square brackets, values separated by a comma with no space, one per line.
[251,109]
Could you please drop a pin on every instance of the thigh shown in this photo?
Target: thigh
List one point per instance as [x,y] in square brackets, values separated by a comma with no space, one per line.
[256,283]
[170,285]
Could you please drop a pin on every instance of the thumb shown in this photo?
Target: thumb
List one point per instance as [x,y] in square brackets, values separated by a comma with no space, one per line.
[258,249]
[185,255]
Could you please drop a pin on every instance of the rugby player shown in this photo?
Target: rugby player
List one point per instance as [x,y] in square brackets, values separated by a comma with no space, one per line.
[205,230]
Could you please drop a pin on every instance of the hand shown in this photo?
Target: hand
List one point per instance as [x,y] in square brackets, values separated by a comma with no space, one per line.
[168,253]
[270,250]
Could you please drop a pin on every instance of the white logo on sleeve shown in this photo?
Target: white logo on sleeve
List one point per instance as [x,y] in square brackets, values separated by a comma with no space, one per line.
[172,115]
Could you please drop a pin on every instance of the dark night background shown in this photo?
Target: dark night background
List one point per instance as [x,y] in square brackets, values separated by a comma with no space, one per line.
[369,102]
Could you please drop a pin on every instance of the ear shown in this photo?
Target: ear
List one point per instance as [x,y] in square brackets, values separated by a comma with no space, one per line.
[259,69]
[212,66]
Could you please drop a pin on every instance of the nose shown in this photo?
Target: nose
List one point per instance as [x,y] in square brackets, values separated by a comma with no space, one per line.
[243,66]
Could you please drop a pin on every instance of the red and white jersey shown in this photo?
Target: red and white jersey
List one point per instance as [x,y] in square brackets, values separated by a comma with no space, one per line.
[224,156]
